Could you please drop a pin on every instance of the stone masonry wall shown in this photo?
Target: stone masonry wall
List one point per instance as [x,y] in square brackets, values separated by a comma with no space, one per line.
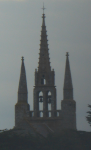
[21,111]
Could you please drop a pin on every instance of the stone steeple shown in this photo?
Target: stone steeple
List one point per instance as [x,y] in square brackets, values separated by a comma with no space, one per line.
[44,60]
[22,107]
[68,87]
[44,89]
[68,105]
[22,89]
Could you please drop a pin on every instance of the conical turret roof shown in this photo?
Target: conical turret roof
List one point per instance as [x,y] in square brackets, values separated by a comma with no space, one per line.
[22,82]
[68,87]
[67,79]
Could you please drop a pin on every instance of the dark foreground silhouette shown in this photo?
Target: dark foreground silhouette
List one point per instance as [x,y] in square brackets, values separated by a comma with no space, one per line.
[66,140]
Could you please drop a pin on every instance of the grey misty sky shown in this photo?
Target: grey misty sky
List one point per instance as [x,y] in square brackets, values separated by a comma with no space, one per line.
[69,29]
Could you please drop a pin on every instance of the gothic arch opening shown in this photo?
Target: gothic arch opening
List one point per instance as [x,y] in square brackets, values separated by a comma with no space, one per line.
[43,80]
[49,96]
[40,99]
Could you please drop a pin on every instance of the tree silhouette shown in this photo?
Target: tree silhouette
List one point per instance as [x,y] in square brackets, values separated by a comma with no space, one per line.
[89,115]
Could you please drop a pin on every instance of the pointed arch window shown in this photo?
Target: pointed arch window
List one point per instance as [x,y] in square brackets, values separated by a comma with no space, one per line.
[49,98]
[40,99]
[43,80]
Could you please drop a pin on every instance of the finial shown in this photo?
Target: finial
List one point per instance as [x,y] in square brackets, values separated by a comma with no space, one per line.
[22,58]
[43,8]
[67,54]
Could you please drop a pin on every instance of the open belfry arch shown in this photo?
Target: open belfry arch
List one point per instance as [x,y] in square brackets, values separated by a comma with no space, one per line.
[45,111]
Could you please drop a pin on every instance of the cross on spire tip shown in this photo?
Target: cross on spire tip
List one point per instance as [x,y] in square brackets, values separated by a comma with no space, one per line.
[43,8]
[67,54]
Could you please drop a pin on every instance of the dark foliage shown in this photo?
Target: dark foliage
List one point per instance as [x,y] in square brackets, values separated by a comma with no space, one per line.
[66,140]
[89,115]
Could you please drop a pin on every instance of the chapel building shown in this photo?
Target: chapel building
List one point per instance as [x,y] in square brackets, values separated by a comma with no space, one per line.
[45,114]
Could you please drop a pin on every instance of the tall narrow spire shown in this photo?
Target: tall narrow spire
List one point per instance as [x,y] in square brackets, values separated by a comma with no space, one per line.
[22,89]
[44,63]
[44,78]
[68,87]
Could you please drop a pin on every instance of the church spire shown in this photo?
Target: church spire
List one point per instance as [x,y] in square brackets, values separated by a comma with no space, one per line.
[44,89]
[22,89]
[44,63]
[68,87]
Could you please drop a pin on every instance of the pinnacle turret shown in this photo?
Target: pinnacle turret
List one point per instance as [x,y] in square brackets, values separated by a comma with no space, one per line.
[44,60]
[22,89]
[68,87]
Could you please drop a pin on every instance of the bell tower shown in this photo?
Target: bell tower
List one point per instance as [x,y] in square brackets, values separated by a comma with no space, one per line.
[44,93]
